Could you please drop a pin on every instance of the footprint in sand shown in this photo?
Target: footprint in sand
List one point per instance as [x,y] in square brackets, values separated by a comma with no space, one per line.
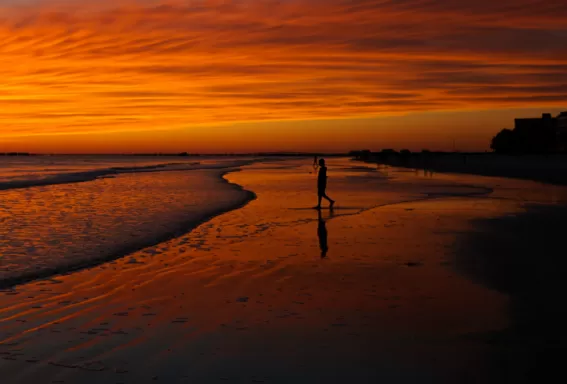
[243,299]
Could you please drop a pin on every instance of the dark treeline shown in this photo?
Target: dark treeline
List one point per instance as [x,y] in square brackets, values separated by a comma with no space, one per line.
[547,167]
[405,157]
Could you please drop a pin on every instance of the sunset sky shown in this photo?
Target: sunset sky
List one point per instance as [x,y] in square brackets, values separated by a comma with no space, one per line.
[103,76]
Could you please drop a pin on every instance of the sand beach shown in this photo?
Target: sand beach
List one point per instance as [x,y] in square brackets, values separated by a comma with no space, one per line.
[411,279]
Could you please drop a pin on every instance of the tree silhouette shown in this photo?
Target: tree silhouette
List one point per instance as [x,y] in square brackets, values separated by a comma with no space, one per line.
[505,142]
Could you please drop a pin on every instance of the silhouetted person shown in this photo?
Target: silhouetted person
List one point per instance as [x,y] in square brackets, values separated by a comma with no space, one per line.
[322,235]
[315,162]
[322,185]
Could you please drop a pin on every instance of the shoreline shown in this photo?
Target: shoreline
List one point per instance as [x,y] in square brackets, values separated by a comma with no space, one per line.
[269,293]
[101,173]
[10,283]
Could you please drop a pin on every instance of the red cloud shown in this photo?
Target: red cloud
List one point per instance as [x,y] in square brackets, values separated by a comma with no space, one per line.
[142,65]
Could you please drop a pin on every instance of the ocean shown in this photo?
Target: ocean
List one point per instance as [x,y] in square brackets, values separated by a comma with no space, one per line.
[61,213]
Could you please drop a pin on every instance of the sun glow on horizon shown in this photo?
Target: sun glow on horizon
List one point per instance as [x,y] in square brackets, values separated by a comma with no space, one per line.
[187,72]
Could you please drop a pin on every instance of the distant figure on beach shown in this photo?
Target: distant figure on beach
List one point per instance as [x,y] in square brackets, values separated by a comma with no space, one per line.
[315,162]
[322,235]
[322,185]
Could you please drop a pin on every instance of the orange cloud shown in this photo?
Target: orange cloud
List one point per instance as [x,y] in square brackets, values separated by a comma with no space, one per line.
[121,66]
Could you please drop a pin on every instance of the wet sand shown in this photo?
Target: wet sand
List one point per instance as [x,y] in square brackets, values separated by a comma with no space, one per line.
[251,296]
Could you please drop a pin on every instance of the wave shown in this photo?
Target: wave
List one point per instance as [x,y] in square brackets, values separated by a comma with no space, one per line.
[90,175]
[240,199]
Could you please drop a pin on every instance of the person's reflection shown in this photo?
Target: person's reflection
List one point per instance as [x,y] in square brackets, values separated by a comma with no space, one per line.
[322,234]
[427,172]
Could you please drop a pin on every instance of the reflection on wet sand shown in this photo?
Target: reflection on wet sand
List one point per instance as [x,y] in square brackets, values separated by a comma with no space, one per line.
[322,233]
[255,305]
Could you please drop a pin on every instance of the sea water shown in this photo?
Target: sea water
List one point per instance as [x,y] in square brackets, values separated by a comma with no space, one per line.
[59,213]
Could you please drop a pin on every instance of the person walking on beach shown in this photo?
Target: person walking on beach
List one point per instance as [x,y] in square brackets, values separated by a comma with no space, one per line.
[315,164]
[322,185]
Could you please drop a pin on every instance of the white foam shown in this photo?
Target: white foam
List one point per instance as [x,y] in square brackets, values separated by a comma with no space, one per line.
[41,171]
[67,225]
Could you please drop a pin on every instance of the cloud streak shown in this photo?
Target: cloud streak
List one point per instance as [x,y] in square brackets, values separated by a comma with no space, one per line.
[133,65]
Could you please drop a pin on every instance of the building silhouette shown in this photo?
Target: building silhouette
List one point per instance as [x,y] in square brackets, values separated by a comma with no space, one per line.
[545,134]
[561,127]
